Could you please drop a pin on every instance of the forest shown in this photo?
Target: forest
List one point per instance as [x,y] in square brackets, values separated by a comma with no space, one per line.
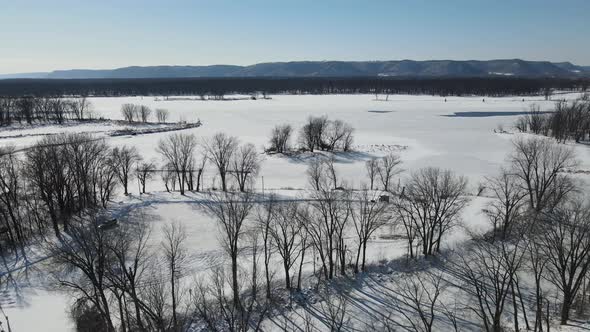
[218,87]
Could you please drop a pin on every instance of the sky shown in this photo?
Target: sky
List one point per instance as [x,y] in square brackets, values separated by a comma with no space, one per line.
[45,35]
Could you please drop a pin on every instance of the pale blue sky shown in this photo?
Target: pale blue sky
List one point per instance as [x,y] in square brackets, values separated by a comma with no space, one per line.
[43,35]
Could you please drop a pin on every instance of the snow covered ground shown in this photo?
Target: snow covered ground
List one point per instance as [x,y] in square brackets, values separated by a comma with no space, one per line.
[423,129]
[457,134]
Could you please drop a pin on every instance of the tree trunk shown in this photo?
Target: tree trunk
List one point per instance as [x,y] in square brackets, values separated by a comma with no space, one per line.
[223,185]
[234,273]
[287,277]
[565,308]
[515,307]
[266,263]
[301,267]
[173,285]
[358,255]
[364,255]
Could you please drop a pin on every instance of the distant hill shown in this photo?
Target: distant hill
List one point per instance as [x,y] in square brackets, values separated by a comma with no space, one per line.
[401,68]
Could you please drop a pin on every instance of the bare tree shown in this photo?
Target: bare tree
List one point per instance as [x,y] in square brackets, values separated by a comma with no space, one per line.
[124,159]
[432,202]
[315,173]
[145,172]
[131,269]
[325,222]
[334,307]
[489,270]
[372,166]
[507,207]
[420,295]
[178,151]
[246,165]
[144,113]
[388,168]
[128,111]
[200,172]
[65,173]
[162,115]
[323,134]
[285,231]
[175,253]
[536,119]
[81,107]
[336,135]
[312,133]
[539,164]
[85,252]
[565,243]
[537,264]
[220,314]
[404,214]
[347,138]
[231,212]
[265,213]
[368,215]
[220,149]
[169,178]
[11,197]
[280,137]
[106,180]
[521,124]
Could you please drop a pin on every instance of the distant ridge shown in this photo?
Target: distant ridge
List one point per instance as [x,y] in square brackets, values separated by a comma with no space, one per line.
[398,68]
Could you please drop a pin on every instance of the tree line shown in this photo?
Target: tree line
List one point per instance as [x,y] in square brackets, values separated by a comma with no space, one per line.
[218,87]
[65,175]
[142,113]
[30,110]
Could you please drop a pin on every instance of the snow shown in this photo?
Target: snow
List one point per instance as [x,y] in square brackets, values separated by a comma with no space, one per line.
[457,134]
[466,144]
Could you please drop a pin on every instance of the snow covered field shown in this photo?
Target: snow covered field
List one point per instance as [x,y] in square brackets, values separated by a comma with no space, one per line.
[425,130]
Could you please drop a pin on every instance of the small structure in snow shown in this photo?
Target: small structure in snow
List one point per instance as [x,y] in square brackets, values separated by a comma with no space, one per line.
[108,224]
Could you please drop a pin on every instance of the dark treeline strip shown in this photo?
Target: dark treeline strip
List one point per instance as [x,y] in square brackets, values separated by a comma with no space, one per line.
[222,86]
[44,109]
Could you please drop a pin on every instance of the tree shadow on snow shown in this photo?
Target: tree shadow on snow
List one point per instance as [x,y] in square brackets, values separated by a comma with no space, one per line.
[340,157]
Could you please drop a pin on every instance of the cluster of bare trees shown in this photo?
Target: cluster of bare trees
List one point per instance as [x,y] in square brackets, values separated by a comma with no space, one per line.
[280,138]
[231,159]
[285,232]
[318,133]
[429,206]
[178,152]
[64,175]
[120,280]
[568,121]
[330,230]
[43,110]
[383,169]
[59,178]
[540,227]
[68,174]
[535,258]
[142,113]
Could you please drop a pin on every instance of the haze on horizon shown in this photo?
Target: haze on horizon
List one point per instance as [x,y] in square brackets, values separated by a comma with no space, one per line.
[41,36]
